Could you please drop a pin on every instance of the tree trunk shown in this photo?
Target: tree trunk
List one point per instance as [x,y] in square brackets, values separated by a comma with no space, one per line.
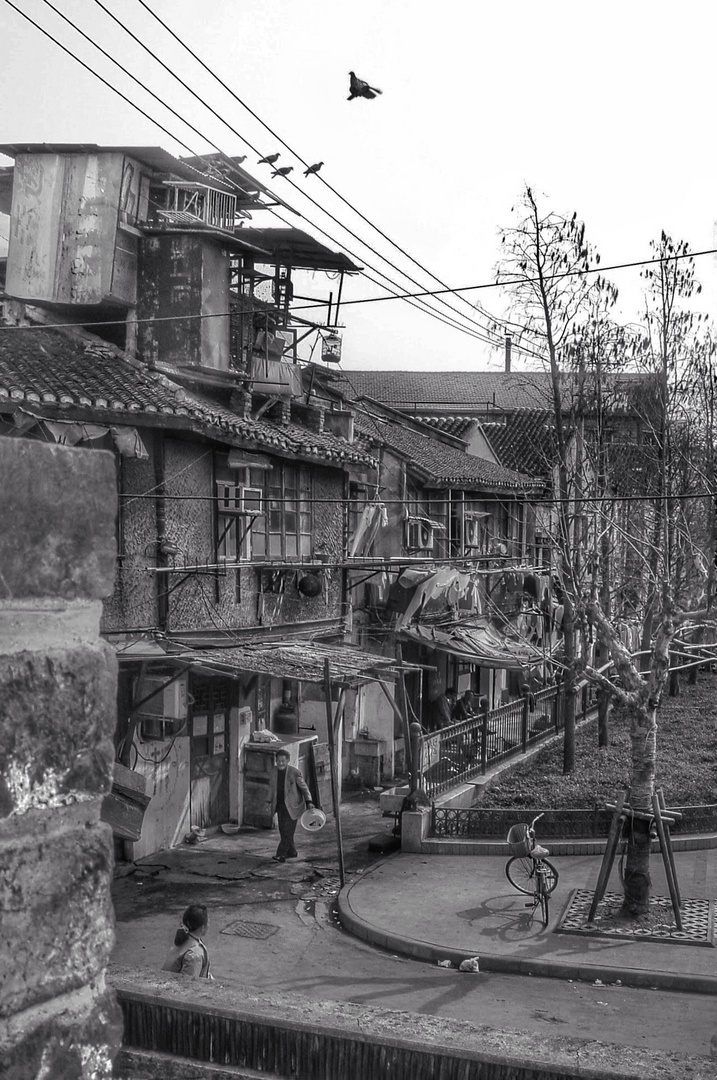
[643,738]
[569,687]
[637,884]
[603,704]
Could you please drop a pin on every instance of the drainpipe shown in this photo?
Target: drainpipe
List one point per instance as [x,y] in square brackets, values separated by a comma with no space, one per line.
[160,510]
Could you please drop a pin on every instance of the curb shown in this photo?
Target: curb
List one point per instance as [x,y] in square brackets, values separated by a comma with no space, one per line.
[508,965]
[437,845]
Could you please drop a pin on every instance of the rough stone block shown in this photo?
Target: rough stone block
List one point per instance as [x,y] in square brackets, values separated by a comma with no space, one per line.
[58,922]
[76,1039]
[57,715]
[59,512]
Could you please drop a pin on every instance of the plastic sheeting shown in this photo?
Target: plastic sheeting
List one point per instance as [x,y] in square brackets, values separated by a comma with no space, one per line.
[478,642]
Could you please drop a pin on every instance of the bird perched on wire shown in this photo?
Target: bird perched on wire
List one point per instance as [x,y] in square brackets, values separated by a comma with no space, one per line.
[283,172]
[359,88]
[268,160]
[313,168]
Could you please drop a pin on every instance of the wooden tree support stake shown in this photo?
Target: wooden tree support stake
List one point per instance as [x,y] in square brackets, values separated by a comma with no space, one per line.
[610,849]
[663,818]
[663,831]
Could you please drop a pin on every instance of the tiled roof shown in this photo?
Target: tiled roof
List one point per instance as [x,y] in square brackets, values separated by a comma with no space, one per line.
[468,391]
[443,465]
[525,441]
[51,373]
[473,393]
[458,426]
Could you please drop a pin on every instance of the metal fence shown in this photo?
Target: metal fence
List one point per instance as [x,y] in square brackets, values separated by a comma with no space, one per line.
[457,753]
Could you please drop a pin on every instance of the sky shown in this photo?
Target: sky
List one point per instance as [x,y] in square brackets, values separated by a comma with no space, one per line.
[604,110]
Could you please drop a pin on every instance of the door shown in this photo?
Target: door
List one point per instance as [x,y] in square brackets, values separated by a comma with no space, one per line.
[209,751]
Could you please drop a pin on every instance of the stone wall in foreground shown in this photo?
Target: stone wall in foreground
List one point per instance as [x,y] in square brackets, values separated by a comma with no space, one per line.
[57,717]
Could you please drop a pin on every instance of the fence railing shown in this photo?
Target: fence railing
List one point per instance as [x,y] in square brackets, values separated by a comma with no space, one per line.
[457,753]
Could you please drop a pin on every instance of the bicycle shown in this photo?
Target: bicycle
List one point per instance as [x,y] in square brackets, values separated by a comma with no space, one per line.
[528,870]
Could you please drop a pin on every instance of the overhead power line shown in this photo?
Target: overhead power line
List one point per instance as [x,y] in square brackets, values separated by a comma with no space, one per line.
[182,82]
[298,156]
[426,308]
[401,296]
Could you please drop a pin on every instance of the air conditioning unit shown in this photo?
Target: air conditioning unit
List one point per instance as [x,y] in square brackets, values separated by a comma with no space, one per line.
[419,535]
[164,714]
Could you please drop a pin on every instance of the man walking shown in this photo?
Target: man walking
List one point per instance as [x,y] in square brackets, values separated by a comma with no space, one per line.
[291,795]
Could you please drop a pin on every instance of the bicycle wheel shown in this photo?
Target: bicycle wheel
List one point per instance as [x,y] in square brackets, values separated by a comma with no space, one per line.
[520,871]
[550,875]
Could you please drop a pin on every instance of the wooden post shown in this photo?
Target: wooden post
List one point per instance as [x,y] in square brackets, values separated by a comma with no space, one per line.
[332,766]
[416,755]
[673,814]
[402,705]
[666,849]
[609,856]
[484,734]
[524,720]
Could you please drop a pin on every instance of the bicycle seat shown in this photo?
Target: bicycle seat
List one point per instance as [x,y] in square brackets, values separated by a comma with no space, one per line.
[539,852]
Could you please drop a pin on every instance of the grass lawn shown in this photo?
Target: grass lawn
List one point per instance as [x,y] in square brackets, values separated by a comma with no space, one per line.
[686,759]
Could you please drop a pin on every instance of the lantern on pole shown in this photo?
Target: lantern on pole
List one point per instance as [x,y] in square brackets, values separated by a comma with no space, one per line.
[331,348]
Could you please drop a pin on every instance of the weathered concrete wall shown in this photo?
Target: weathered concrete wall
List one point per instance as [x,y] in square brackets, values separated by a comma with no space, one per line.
[207,601]
[57,714]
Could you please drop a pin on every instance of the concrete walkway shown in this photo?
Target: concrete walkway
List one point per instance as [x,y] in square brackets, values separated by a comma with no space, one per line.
[454,907]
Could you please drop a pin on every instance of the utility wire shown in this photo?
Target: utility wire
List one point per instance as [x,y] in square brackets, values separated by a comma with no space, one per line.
[399,296]
[92,71]
[404,295]
[298,156]
[487,329]
[426,307]
[231,128]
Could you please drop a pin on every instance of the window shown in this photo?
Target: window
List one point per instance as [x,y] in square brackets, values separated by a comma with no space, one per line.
[289,520]
[134,195]
[240,506]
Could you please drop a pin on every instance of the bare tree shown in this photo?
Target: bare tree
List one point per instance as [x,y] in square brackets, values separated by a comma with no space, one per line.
[544,267]
[672,566]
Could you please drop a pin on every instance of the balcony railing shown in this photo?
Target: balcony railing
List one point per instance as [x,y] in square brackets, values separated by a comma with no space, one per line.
[462,751]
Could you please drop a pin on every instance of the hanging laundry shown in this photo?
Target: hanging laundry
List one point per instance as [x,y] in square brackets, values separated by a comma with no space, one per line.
[373,517]
[128,442]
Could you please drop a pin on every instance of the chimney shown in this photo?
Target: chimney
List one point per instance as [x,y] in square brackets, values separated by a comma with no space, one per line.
[508,347]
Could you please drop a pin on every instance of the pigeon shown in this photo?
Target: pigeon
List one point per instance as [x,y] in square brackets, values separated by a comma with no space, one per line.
[313,168]
[359,88]
[239,160]
[268,160]
[283,172]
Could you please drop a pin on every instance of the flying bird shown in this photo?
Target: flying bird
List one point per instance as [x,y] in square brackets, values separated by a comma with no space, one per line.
[313,168]
[359,88]
[283,172]
[268,160]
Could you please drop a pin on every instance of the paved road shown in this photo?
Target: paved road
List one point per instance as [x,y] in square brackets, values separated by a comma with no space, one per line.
[307,953]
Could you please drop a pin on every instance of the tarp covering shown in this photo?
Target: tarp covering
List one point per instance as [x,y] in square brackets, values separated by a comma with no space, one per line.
[478,642]
[419,592]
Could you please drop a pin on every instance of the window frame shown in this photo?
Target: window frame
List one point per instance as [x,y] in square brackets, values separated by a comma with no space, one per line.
[289,500]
